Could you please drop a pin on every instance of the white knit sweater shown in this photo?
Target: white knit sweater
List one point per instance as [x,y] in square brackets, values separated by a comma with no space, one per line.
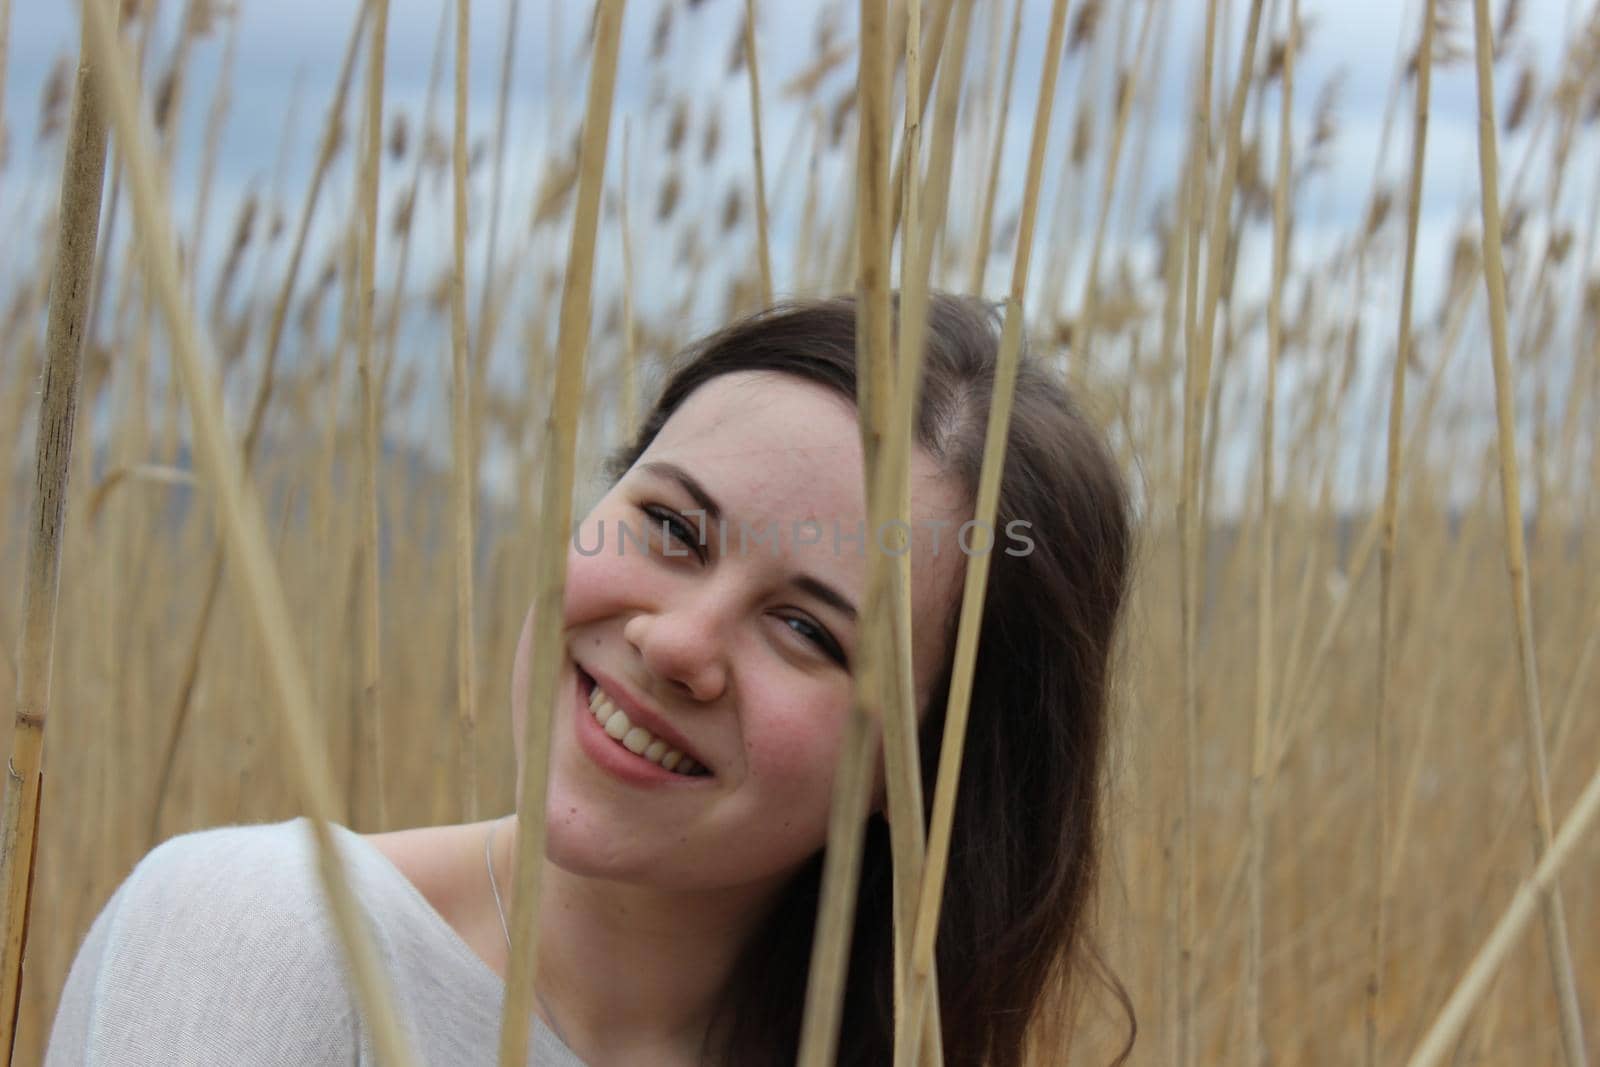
[218,949]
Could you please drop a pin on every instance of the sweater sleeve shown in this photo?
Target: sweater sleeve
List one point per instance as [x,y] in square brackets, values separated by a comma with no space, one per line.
[216,949]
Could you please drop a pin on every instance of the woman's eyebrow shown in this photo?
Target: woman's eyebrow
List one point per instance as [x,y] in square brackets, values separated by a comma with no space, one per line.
[825,593]
[690,485]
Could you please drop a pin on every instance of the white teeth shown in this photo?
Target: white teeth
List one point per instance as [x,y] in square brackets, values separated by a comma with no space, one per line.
[637,739]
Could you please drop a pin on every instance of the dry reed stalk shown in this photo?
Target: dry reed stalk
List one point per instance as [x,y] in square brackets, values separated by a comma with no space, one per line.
[918,1036]
[630,328]
[982,93]
[1170,913]
[1226,349]
[108,232]
[977,572]
[789,168]
[1067,213]
[874,232]
[763,255]
[1386,555]
[1132,204]
[169,93]
[847,263]
[1255,1035]
[1126,79]
[980,251]
[889,500]
[1202,325]
[412,190]
[922,1032]
[1425,716]
[464,482]
[1516,555]
[1566,462]
[561,430]
[488,320]
[179,718]
[77,560]
[82,184]
[367,762]
[536,362]
[133,433]
[934,50]
[216,117]
[1538,778]
[337,650]
[1171,311]
[243,528]
[153,473]
[505,276]
[1527,901]
[126,539]
[498,181]
[133,534]
[1190,538]
[1567,716]
[805,255]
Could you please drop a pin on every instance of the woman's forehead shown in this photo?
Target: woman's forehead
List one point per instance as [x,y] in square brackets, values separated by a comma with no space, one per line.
[768,436]
[762,404]
[773,434]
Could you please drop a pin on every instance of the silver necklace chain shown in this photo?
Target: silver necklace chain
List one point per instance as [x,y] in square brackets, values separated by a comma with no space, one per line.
[505,928]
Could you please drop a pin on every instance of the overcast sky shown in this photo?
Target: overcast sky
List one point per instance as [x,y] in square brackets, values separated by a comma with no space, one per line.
[288,52]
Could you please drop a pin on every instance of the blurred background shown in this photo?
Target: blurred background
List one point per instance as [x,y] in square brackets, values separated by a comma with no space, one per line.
[160,722]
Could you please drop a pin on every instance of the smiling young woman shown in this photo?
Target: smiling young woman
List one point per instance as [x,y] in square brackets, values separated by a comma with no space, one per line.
[710,625]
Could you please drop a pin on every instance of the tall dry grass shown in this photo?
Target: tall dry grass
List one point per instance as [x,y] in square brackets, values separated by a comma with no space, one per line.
[1320,849]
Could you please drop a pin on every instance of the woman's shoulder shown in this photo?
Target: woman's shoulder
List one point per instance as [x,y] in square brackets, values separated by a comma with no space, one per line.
[245,882]
[217,943]
[220,947]
[267,860]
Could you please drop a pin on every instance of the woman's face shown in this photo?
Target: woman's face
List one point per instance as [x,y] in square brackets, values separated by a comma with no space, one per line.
[733,642]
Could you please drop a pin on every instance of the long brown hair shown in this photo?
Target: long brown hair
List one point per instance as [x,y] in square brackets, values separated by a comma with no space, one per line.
[1026,843]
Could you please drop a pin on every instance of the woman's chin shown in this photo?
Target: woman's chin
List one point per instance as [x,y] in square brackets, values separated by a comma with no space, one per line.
[578,851]
[583,838]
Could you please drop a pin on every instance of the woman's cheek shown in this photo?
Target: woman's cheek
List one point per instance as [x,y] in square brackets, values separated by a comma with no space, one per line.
[598,574]
[799,750]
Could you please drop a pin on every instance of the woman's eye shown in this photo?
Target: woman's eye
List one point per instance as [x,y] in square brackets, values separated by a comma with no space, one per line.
[817,636]
[673,524]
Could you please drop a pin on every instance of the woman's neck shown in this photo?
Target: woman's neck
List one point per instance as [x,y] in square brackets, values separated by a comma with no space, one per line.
[629,971]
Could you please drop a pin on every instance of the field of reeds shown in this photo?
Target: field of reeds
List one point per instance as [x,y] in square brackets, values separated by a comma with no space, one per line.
[308,435]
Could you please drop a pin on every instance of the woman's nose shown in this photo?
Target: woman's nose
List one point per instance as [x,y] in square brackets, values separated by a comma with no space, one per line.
[680,646]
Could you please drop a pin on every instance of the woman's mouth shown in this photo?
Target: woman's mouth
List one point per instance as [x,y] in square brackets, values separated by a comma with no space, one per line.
[635,739]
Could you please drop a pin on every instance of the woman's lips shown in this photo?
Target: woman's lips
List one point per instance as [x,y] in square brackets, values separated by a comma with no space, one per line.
[612,757]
